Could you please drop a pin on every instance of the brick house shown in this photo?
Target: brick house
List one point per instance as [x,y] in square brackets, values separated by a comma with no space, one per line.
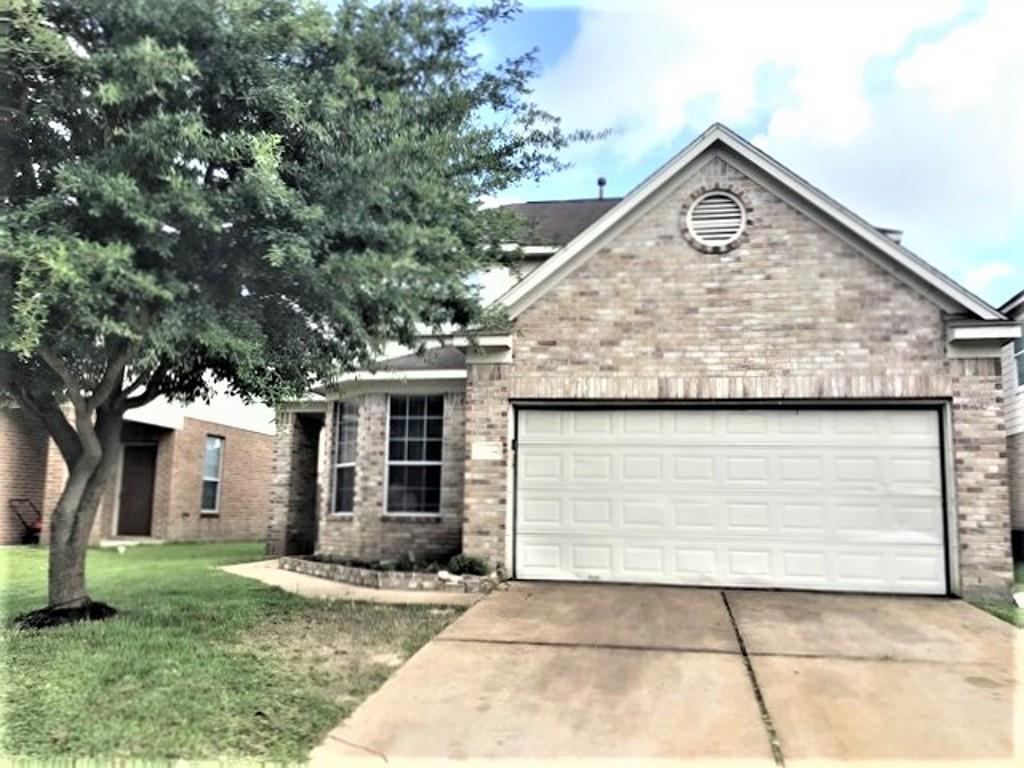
[185,473]
[723,378]
[1013,387]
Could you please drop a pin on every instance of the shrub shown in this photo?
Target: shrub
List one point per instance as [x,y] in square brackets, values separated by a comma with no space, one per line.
[468,565]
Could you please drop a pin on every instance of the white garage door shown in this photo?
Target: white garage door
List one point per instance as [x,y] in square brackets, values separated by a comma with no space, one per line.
[803,499]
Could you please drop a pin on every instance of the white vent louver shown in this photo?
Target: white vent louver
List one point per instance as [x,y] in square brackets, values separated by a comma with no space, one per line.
[716,219]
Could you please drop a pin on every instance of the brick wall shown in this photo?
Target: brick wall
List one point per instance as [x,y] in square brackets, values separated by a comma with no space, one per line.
[369,533]
[295,490]
[792,312]
[487,415]
[23,455]
[244,505]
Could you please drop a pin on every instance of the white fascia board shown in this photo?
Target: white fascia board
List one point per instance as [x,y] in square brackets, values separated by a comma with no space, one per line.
[486,341]
[1015,304]
[521,295]
[534,285]
[443,374]
[531,250]
[999,331]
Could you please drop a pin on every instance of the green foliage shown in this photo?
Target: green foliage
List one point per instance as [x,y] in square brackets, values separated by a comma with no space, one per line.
[469,565]
[199,664]
[261,192]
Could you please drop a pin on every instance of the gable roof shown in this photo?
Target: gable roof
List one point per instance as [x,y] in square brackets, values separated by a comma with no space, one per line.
[1014,305]
[557,222]
[538,282]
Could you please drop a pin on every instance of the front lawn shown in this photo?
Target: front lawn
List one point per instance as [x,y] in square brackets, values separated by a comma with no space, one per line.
[1008,611]
[199,664]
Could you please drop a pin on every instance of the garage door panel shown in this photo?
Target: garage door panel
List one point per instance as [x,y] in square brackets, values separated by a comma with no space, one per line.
[800,498]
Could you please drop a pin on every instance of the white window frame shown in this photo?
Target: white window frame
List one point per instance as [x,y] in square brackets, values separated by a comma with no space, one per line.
[1017,350]
[424,463]
[339,407]
[207,479]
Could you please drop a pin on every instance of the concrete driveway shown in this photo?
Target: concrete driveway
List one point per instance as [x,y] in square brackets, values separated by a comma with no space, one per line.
[551,671]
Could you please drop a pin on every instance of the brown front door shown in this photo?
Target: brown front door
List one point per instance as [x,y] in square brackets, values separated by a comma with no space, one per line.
[136,511]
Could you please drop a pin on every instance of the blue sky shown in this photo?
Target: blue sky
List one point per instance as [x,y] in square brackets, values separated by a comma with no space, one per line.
[909,112]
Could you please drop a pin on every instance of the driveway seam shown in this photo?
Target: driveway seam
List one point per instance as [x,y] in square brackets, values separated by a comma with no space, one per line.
[762,705]
[562,644]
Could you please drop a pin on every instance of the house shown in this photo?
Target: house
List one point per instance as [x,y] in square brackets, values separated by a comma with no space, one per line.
[197,472]
[725,378]
[1013,392]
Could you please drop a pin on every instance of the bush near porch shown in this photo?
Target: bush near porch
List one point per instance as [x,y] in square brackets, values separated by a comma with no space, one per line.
[199,663]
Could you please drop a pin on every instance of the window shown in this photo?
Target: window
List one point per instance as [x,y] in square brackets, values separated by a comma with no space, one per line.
[414,455]
[212,461]
[1018,356]
[346,424]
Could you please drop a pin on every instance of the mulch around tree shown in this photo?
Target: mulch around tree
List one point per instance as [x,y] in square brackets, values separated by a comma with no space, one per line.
[55,616]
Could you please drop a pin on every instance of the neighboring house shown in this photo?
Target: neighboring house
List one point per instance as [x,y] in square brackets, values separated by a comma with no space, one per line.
[724,378]
[1013,391]
[185,473]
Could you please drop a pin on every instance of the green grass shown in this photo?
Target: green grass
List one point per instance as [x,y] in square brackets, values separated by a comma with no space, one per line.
[1004,610]
[199,663]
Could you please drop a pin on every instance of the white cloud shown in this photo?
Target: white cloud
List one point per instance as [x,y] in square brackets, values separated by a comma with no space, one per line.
[912,120]
[663,67]
[982,279]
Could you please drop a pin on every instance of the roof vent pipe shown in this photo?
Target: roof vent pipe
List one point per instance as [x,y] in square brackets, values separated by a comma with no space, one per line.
[896,235]
[601,181]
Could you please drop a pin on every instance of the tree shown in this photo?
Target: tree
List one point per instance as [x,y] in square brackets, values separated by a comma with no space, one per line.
[256,193]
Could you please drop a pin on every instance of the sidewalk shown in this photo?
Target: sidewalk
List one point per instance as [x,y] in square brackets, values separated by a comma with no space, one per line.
[268,572]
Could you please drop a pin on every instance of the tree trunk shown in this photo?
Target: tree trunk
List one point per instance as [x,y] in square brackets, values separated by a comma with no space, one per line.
[75,514]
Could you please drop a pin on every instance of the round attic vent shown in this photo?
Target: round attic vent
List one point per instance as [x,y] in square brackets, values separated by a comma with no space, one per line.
[716,219]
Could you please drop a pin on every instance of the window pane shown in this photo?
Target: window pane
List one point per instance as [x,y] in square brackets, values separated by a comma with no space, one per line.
[344,493]
[211,459]
[415,445]
[347,413]
[432,489]
[210,495]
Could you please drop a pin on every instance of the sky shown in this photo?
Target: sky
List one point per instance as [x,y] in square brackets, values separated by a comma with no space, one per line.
[909,112]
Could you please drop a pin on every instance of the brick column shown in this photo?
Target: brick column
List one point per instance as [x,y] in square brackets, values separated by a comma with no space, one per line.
[280,483]
[982,481]
[488,386]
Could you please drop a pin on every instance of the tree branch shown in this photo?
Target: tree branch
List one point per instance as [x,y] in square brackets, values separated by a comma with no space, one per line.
[154,388]
[112,378]
[70,382]
[48,411]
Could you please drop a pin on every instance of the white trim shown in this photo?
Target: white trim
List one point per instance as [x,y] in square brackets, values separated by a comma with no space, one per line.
[1014,303]
[441,374]
[335,465]
[385,513]
[1002,332]
[215,511]
[538,282]
[531,250]
[116,516]
[952,523]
